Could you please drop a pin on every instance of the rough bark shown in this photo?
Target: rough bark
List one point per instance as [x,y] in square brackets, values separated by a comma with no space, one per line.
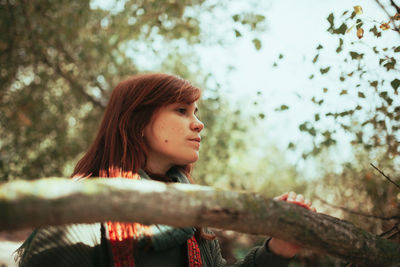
[54,201]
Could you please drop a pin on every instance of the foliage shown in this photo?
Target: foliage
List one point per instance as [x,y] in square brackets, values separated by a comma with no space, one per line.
[60,59]
[366,71]
[365,79]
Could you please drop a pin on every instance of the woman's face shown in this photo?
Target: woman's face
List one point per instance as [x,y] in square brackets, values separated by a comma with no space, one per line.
[173,137]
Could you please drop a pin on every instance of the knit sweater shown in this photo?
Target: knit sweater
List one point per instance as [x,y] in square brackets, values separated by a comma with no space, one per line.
[85,245]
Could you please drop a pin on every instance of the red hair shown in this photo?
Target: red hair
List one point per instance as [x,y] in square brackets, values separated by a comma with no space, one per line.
[119,149]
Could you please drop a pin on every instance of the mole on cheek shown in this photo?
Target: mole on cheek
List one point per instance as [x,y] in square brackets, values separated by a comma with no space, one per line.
[165,141]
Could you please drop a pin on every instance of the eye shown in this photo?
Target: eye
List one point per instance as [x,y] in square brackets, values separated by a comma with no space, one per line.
[181,110]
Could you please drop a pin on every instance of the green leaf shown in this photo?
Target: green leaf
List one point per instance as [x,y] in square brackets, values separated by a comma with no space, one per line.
[383,94]
[375,31]
[284,107]
[324,70]
[355,55]
[236,17]
[340,47]
[397,49]
[315,58]
[319,47]
[316,117]
[312,131]
[361,95]
[257,43]
[280,56]
[395,84]
[303,127]
[330,19]
[291,146]
[237,33]
[261,115]
[325,90]
[259,18]
[390,65]
[359,24]
[341,30]
[343,92]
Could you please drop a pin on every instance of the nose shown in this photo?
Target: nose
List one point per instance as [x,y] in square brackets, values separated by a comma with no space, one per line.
[196,125]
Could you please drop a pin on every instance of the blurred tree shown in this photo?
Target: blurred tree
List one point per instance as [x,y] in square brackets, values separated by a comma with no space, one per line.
[60,59]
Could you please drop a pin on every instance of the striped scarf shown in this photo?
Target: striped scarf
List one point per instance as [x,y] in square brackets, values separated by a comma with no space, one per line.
[124,236]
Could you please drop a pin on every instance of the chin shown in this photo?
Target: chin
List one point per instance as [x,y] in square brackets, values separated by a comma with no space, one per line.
[190,159]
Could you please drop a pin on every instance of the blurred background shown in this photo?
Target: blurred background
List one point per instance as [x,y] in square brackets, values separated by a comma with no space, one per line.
[297,96]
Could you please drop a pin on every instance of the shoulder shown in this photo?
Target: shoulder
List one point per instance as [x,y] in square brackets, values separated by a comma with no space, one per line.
[69,245]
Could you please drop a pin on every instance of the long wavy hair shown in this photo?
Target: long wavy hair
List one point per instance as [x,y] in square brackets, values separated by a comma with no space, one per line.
[119,149]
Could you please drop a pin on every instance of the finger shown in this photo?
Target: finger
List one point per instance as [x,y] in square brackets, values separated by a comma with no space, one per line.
[284,196]
[300,198]
[291,196]
[313,209]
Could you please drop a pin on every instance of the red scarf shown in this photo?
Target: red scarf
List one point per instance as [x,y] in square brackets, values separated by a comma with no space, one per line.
[122,237]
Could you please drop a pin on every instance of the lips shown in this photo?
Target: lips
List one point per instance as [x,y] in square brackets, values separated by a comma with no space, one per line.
[196,139]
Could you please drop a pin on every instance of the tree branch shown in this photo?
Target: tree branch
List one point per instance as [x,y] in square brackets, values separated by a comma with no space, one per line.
[388,14]
[391,232]
[395,6]
[358,212]
[384,175]
[61,201]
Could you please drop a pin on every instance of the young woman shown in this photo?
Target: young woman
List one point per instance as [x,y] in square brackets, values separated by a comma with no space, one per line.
[149,131]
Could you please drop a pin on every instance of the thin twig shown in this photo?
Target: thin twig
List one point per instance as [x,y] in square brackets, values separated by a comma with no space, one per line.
[395,227]
[388,14]
[358,212]
[384,175]
[395,6]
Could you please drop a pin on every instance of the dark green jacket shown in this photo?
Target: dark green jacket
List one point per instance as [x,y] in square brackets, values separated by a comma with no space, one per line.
[86,245]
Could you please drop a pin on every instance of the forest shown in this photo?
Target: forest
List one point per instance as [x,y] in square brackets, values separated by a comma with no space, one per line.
[337,141]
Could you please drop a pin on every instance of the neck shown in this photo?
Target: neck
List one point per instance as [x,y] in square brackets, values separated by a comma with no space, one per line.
[157,166]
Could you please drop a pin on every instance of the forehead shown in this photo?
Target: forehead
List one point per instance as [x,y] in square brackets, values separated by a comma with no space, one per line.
[184,103]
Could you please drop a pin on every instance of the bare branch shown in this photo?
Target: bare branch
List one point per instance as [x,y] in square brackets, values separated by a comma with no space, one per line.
[388,14]
[384,175]
[61,201]
[391,232]
[395,6]
[358,212]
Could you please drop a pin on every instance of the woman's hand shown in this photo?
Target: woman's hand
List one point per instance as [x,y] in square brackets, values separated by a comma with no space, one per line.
[281,247]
